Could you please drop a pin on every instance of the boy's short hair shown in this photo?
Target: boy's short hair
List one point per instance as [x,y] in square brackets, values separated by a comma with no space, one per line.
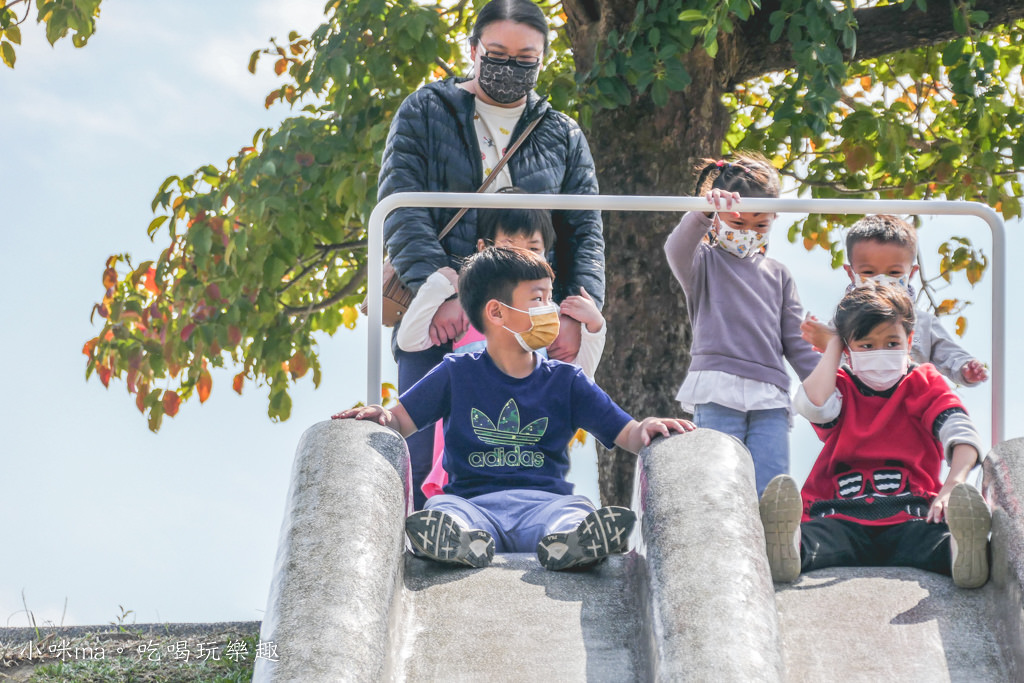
[882,228]
[514,222]
[866,307]
[494,273]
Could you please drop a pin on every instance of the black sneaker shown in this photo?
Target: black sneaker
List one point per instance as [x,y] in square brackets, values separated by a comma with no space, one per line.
[438,536]
[969,523]
[603,532]
[781,509]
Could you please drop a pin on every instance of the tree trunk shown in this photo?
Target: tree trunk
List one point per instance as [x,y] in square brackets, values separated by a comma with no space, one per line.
[649,335]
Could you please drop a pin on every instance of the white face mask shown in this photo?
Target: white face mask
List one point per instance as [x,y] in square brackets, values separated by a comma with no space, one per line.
[879,370]
[740,243]
[883,279]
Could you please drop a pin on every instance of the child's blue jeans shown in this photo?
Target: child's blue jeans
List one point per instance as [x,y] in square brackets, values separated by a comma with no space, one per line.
[764,432]
[516,518]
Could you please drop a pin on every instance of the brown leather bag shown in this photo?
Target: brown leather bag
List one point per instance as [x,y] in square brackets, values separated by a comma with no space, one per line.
[397,296]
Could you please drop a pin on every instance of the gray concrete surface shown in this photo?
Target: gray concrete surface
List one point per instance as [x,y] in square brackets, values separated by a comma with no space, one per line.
[710,592]
[692,601]
[888,624]
[339,556]
[516,621]
[1003,487]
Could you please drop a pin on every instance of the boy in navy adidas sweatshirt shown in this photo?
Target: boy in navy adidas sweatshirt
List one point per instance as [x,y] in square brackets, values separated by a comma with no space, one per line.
[509,415]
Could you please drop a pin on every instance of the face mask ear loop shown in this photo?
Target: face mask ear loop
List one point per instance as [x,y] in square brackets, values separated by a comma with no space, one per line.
[716,224]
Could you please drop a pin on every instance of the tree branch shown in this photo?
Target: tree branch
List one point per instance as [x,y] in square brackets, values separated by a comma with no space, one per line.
[882,30]
[351,286]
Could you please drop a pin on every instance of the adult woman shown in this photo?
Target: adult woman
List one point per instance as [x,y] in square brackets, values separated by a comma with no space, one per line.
[446,137]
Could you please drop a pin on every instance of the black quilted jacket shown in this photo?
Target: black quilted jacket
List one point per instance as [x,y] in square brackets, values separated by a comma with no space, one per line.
[432,146]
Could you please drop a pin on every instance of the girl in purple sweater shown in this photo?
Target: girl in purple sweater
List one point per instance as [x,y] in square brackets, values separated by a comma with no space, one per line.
[745,315]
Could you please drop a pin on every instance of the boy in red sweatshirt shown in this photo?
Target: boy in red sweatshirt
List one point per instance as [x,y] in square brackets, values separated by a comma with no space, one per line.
[874,496]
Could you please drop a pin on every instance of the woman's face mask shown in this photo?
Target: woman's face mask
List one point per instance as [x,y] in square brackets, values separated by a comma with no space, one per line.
[543,327]
[504,80]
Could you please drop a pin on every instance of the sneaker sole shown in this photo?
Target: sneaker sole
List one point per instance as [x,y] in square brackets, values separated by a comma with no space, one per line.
[969,522]
[438,536]
[781,509]
[602,533]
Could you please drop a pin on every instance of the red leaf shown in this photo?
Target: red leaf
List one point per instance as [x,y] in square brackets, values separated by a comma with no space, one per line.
[238,382]
[150,280]
[171,403]
[186,331]
[89,346]
[234,335]
[140,398]
[204,385]
[104,372]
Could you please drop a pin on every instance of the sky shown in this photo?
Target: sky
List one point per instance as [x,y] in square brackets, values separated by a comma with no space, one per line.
[101,515]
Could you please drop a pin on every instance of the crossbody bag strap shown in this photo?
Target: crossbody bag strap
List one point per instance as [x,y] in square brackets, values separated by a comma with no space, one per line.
[492,175]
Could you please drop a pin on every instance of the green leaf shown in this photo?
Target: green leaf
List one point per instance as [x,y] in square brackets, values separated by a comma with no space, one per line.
[692,15]
[202,238]
[711,45]
[14,34]
[659,94]
[959,22]
[7,53]
[155,224]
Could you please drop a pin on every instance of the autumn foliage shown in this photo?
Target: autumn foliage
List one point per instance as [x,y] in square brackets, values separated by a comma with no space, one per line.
[261,256]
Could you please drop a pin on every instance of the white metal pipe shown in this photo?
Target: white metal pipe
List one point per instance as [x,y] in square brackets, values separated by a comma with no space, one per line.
[375,251]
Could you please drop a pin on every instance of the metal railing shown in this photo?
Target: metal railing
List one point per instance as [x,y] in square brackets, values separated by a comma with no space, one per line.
[375,252]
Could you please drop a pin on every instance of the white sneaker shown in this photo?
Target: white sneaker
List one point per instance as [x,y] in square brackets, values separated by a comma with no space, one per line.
[781,509]
[969,522]
[438,536]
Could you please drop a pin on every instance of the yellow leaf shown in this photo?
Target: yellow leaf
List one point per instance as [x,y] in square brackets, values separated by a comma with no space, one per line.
[961,326]
[974,272]
[945,307]
[349,315]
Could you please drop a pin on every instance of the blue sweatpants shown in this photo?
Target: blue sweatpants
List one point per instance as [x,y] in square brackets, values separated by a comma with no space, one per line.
[516,518]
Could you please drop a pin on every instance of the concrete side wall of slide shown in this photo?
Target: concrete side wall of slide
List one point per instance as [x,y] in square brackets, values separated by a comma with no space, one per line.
[1004,490]
[340,556]
[711,597]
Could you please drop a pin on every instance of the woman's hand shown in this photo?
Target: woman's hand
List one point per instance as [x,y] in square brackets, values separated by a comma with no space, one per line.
[449,323]
[567,345]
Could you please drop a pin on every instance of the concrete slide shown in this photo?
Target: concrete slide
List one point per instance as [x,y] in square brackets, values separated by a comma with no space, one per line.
[692,601]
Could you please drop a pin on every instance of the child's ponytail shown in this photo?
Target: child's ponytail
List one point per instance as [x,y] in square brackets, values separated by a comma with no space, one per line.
[748,173]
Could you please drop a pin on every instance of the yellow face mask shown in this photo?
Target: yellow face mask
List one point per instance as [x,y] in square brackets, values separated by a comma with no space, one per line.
[543,327]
